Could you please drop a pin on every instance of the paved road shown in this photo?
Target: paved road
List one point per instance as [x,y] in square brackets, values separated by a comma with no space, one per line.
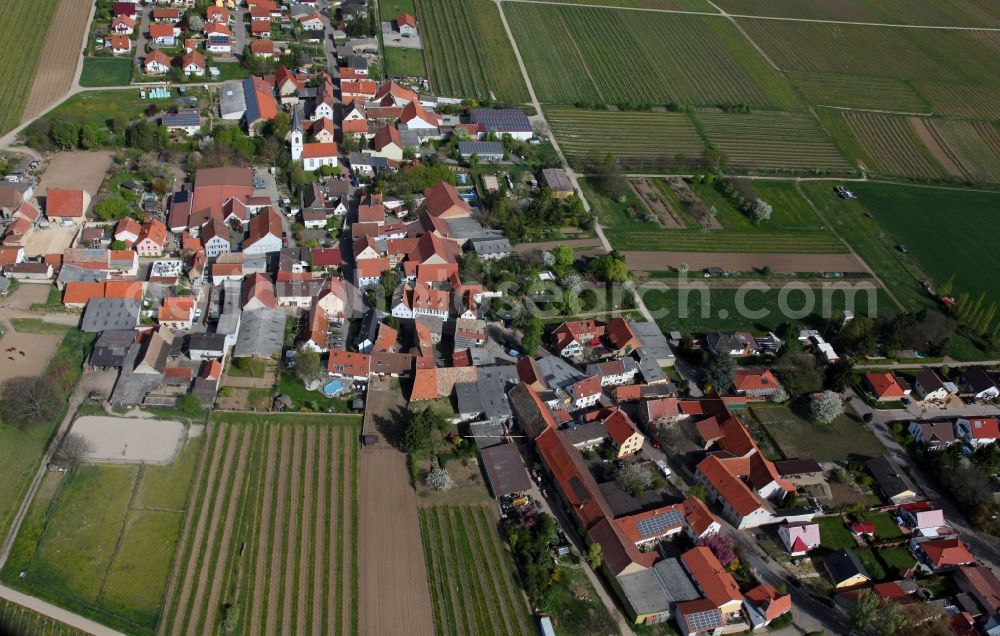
[143,39]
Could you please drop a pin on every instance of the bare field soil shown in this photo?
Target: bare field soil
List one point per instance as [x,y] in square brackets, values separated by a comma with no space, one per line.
[26,354]
[395,596]
[78,169]
[780,263]
[130,439]
[57,66]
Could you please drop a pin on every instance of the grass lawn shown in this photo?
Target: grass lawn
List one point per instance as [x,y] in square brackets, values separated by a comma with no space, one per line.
[229,71]
[303,399]
[404,62]
[885,527]
[798,437]
[871,563]
[833,534]
[698,311]
[37,325]
[584,613]
[100,540]
[389,9]
[897,559]
[259,399]
[100,107]
[106,71]
[247,368]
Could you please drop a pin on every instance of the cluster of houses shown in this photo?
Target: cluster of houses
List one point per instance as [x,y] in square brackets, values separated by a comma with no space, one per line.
[976,384]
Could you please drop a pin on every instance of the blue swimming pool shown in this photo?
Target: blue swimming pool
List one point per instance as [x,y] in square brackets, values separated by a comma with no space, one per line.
[333,388]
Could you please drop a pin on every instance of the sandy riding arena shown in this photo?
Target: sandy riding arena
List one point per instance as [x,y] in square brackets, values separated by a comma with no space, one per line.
[127,439]
[57,66]
[25,354]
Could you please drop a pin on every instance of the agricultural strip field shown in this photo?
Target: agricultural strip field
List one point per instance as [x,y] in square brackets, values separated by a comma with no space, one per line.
[845,91]
[669,5]
[271,544]
[578,53]
[962,100]
[973,146]
[24,32]
[983,13]
[773,142]
[914,54]
[641,142]
[59,59]
[100,541]
[15,619]
[106,71]
[468,52]
[471,575]
[890,145]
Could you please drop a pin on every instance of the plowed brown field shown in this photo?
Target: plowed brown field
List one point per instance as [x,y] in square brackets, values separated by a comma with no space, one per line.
[57,66]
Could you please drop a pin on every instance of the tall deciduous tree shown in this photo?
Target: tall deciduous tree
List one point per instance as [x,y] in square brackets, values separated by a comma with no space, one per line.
[30,402]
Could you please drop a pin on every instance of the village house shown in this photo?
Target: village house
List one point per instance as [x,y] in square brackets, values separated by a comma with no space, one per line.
[177,313]
[928,386]
[886,387]
[978,431]
[935,435]
[156,63]
[755,383]
[799,538]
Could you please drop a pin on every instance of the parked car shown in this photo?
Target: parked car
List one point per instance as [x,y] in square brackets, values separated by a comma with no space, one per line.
[662,465]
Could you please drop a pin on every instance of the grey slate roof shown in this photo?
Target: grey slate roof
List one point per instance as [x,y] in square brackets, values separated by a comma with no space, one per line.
[232,103]
[658,589]
[652,343]
[480,148]
[650,371]
[110,313]
[843,564]
[111,348]
[505,470]
[491,246]
[262,333]
[486,434]
[557,180]
[74,274]
[207,342]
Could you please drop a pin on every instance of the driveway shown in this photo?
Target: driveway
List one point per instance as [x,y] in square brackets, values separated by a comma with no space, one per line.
[140,42]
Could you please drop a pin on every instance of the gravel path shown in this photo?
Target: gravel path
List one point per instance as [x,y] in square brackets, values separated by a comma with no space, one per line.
[274,583]
[265,528]
[295,510]
[306,560]
[347,442]
[319,544]
[223,558]
[199,533]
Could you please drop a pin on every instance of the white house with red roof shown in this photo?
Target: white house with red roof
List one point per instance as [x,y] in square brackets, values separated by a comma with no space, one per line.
[123,25]
[570,338]
[978,431]
[625,437]
[156,63]
[119,44]
[265,233]
[312,155]
[800,538]
[584,393]
[127,230]
[757,382]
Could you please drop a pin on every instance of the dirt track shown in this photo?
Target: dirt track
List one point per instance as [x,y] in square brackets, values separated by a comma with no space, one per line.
[274,585]
[287,615]
[395,597]
[524,248]
[780,263]
[57,66]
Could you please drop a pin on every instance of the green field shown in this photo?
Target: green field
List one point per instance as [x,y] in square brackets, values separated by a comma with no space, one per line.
[973,147]
[834,533]
[404,62]
[773,142]
[962,100]
[389,9]
[15,619]
[890,146]
[641,142]
[468,52]
[674,5]
[473,586]
[271,542]
[101,540]
[878,93]
[797,437]
[793,228]
[98,108]
[21,450]
[717,309]
[941,12]
[106,71]
[576,53]
[23,33]
[942,228]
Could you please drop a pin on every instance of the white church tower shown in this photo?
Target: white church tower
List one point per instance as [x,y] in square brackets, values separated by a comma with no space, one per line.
[297,136]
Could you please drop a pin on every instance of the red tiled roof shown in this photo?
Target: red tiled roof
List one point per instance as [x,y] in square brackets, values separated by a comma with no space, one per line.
[154,230]
[326,257]
[754,380]
[770,601]
[884,385]
[260,287]
[406,19]
[386,135]
[266,222]
[620,427]
[947,552]
[156,56]
[425,385]
[714,582]
[620,333]
[984,427]
[697,515]
[442,199]
[176,308]
[64,202]
[574,480]
[348,363]
[319,150]
[161,30]
[743,500]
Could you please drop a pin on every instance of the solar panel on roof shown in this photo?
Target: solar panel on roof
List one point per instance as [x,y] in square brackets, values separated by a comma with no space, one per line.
[704,620]
[658,523]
